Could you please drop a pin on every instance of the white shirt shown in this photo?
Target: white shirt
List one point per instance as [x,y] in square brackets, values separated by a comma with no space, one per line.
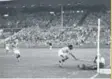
[101,60]
[65,50]
[7,46]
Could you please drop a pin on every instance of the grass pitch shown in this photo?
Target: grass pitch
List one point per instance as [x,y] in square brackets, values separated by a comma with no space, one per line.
[43,63]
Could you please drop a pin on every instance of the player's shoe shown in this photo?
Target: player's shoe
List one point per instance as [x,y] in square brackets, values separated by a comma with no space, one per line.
[7,51]
[78,66]
[60,64]
[18,59]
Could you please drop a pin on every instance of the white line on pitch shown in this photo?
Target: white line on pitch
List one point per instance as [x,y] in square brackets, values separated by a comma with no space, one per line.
[94,76]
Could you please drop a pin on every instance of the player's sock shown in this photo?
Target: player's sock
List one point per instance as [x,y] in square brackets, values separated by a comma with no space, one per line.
[63,60]
[7,51]
[18,59]
[66,58]
[78,66]
[60,63]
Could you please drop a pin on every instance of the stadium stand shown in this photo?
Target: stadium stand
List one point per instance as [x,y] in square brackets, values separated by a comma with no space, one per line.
[79,27]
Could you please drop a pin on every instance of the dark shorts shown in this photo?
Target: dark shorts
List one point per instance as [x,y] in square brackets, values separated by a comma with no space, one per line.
[17,55]
[87,67]
[101,65]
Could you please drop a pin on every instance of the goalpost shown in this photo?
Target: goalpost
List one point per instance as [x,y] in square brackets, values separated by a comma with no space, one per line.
[100,70]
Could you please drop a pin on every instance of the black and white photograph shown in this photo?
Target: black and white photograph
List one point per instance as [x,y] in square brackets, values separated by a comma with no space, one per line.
[55,39]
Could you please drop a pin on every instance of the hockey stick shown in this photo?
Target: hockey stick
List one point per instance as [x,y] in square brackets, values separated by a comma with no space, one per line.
[73,56]
[80,59]
[85,60]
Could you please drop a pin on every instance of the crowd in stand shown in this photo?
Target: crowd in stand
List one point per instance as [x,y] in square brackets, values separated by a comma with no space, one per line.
[42,27]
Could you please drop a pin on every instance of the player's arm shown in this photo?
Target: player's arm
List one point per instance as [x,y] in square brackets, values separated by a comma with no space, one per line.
[95,59]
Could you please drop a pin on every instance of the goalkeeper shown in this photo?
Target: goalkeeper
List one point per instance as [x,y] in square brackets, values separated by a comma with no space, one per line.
[94,65]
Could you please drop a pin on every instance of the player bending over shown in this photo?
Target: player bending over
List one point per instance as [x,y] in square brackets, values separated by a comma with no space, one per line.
[94,66]
[16,51]
[50,46]
[63,54]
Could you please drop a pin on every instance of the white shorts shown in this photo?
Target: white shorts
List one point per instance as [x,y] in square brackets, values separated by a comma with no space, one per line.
[7,48]
[60,53]
[50,47]
[16,52]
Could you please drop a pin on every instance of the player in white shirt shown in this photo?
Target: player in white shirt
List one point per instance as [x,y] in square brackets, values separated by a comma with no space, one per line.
[101,61]
[7,47]
[50,45]
[94,65]
[16,50]
[63,54]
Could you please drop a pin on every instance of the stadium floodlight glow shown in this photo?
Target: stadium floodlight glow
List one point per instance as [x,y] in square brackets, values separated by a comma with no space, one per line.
[74,24]
[59,4]
[50,5]
[32,5]
[6,15]
[68,4]
[7,7]
[78,11]
[23,6]
[73,11]
[14,6]
[82,11]
[51,12]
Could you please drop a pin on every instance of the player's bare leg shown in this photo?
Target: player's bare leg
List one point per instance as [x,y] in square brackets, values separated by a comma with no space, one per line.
[50,47]
[60,63]
[62,60]
[7,51]
[18,57]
